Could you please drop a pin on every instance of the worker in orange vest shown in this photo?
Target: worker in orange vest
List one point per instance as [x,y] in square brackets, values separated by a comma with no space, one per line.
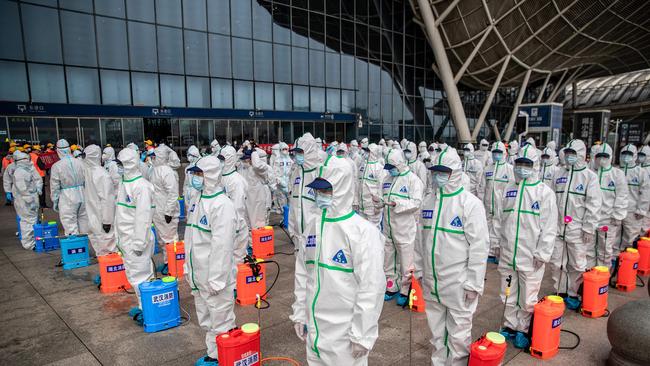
[34,156]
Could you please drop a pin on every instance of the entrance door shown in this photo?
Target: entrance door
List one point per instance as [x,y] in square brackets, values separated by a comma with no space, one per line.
[21,129]
[157,129]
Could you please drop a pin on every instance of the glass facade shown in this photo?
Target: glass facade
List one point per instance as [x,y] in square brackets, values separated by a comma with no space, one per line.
[363,57]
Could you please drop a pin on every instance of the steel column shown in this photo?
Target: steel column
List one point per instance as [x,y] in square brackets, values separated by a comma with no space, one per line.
[488,101]
[515,108]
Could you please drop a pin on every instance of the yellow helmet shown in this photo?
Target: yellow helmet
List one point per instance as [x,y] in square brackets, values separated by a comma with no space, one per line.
[20,148]
[36,147]
[13,144]
[148,142]
[12,149]
[73,147]
[27,146]
[50,145]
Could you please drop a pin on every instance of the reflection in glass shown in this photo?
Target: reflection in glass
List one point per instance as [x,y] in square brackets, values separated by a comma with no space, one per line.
[244,96]
[20,128]
[286,130]
[261,22]
[111,131]
[13,81]
[263,61]
[206,132]
[198,92]
[133,130]
[317,67]
[236,135]
[221,131]
[274,127]
[187,129]
[69,129]
[47,83]
[83,85]
[300,65]
[42,38]
[89,129]
[45,129]
[172,90]
[221,93]
[145,89]
[264,96]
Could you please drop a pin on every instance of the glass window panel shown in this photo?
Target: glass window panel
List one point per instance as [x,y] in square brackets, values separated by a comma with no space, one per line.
[111,131]
[386,82]
[297,129]
[69,129]
[89,131]
[333,72]
[168,12]
[20,128]
[240,18]
[187,131]
[83,85]
[333,35]
[236,134]
[249,130]
[13,81]
[282,63]
[78,39]
[145,89]
[219,16]
[333,100]
[244,95]
[285,129]
[300,27]
[347,101]
[281,24]
[300,98]
[170,57]
[198,92]
[81,5]
[221,131]
[242,58]
[47,83]
[262,132]
[220,56]
[194,14]
[116,87]
[317,98]
[274,127]
[196,53]
[51,3]
[332,7]
[300,65]
[206,132]
[113,8]
[46,129]
[283,97]
[263,61]
[11,43]
[316,31]
[347,71]
[308,127]
[142,47]
[330,131]
[221,93]
[133,130]
[42,37]
[261,22]
[374,77]
[172,90]
[319,128]
[361,75]
[112,43]
[140,10]
[386,108]
[264,96]
[361,103]
[316,67]
[374,103]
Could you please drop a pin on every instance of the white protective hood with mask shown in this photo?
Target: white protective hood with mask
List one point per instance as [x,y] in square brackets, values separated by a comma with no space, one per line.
[474,169]
[27,184]
[100,202]
[165,182]
[302,204]
[67,190]
[371,177]
[236,188]
[108,159]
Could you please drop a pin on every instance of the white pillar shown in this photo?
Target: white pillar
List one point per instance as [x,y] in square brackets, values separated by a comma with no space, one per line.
[515,108]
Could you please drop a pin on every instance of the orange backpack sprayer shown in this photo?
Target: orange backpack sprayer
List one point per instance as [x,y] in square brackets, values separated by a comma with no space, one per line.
[626,268]
[488,350]
[643,246]
[594,292]
[547,321]
[175,258]
[240,346]
[251,282]
[112,274]
[263,242]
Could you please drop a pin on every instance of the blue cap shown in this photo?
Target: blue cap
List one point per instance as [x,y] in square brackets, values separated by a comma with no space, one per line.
[389,166]
[195,169]
[523,161]
[247,155]
[320,183]
[441,168]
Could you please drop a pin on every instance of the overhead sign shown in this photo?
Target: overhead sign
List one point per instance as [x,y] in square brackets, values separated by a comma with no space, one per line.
[542,117]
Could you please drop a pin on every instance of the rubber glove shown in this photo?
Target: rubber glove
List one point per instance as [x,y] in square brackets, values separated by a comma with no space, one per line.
[301,330]
[587,237]
[358,350]
[470,296]
[9,196]
[168,219]
[106,227]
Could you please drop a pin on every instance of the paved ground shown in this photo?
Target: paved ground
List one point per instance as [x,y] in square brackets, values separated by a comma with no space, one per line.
[55,317]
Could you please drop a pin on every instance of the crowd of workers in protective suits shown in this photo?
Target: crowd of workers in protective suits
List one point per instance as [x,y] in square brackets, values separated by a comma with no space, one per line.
[366,218]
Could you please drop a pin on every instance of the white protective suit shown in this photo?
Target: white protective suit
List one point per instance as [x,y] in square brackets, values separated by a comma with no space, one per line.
[416,165]
[302,204]
[67,190]
[8,177]
[613,186]
[133,218]
[400,222]
[211,269]
[236,189]
[282,165]
[422,149]
[645,165]
[513,150]
[100,202]
[549,169]
[580,198]
[339,269]
[322,155]
[215,148]
[165,183]
[190,195]
[498,175]
[27,185]
[259,176]
[638,202]
[528,229]
[371,176]
[452,256]
[364,142]
[354,154]
[483,154]
[474,169]
[108,159]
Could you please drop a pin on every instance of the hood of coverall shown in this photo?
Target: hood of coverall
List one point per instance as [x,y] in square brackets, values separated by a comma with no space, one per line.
[395,157]
[404,143]
[63,148]
[340,175]
[230,159]
[131,163]
[310,147]
[108,154]
[275,150]
[449,158]
[382,142]
[212,169]
[414,152]
[282,146]
[513,148]
[530,152]
[531,141]
[604,148]
[631,148]
[374,152]
[551,145]
[93,155]
[364,142]
[646,150]
[469,153]
[484,144]
[162,155]
[22,159]
[261,153]
[581,150]
[499,146]
[344,147]
[133,146]
[193,151]
[551,156]
[422,147]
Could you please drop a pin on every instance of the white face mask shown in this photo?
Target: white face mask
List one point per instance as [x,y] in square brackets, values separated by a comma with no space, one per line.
[627,158]
[408,155]
[642,158]
[323,201]
[571,159]
[602,162]
[523,172]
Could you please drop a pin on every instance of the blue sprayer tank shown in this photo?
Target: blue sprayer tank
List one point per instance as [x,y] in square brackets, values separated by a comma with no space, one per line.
[46,234]
[160,307]
[181,203]
[19,232]
[285,216]
[74,251]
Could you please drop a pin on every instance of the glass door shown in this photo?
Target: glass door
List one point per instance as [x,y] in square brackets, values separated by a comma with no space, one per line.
[112,132]
[45,130]
[21,129]
[69,130]
[90,131]
[221,131]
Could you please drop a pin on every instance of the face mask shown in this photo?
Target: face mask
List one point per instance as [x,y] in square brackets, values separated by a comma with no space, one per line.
[408,155]
[441,179]
[642,158]
[120,170]
[323,201]
[602,162]
[469,155]
[546,161]
[394,172]
[192,159]
[523,172]
[484,147]
[571,159]
[626,158]
[300,159]
[497,156]
[197,182]
[104,158]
